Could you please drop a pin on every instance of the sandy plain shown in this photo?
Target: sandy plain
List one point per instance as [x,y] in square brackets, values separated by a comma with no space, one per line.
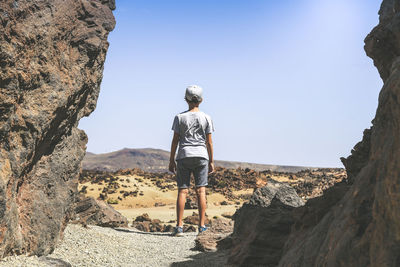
[156,202]
[154,194]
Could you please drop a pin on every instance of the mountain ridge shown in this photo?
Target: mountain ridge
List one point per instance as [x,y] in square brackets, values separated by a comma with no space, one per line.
[157,160]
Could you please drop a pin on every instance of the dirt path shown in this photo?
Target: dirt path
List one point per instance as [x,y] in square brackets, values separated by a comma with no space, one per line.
[98,246]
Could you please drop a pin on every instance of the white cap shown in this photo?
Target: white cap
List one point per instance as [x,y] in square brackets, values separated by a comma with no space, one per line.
[194,93]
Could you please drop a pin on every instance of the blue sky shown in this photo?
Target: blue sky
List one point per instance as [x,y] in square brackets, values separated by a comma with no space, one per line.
[286,82]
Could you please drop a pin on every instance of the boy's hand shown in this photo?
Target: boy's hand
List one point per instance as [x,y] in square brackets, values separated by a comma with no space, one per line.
[172,166]
[211,167]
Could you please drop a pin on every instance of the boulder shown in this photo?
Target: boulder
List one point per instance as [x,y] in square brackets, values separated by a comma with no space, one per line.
[210,239]
[51,61]
[145,224]
[97,212]
[168,228]
[263,225]
[143,218]
[286,194]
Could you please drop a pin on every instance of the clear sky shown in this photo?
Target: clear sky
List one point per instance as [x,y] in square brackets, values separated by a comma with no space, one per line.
[286,82]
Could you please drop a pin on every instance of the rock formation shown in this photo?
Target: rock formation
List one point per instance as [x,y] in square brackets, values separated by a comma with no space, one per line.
[145,224]
[263,225]
[215,236]
[194,219]
[92,211]
[51,62]
[355,223]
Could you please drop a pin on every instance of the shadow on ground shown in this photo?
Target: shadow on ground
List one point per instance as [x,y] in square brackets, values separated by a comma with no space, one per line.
[53,262]
[132,230]
[218,258]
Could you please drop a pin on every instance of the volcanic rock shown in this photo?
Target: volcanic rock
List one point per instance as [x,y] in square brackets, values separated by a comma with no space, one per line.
[143,218]
[355,222]
[194,219]
[97,212]
[263,225]
[168,228]
[209,239]
[51,62]
[145,224]
[286,194]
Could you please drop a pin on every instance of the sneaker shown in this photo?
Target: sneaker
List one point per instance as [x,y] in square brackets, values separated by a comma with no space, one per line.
[178,231]
[202,229]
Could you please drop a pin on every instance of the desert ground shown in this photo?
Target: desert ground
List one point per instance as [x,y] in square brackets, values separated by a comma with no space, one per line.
[135,192]
[156,202]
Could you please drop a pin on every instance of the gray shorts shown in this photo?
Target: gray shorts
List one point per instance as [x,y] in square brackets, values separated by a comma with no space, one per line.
[197,166]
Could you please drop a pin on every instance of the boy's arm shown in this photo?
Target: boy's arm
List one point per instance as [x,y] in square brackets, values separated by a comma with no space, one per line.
[210,151]
[174,145]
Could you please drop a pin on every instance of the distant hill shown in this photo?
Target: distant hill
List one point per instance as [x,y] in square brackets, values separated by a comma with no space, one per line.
[157,160]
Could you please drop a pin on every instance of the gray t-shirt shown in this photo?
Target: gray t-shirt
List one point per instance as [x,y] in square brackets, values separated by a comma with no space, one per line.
[192,128]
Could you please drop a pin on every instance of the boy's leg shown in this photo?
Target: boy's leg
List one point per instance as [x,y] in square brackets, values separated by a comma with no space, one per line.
[201,180]
[183,181]
[180,205]
[202,203]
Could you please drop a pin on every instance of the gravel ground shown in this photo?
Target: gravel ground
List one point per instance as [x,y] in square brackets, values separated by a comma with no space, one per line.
[99,246]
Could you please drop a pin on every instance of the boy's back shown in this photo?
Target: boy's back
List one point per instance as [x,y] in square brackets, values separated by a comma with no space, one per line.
[192,128]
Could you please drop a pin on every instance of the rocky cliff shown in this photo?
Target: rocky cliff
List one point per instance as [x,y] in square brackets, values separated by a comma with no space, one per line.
[355,223]
[51,61]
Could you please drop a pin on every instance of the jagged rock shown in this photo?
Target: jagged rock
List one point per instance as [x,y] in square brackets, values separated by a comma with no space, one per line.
[168,228]
[143,226]
[152,226]
[143,218]
[263,225]
[97,212]
[156,227]
[219,230]
[51,62]
[284,193]
[355,223]
[359,156]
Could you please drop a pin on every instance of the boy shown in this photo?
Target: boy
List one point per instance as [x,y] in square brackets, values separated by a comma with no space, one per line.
[192,130]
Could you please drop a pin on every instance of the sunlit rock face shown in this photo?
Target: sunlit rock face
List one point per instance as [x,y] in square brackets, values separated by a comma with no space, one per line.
[355,223]
[51,61]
